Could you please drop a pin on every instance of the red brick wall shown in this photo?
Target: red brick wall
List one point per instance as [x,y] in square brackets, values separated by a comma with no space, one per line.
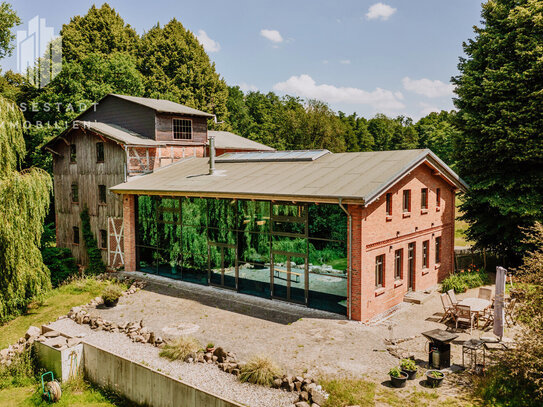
[153,158]
[129,219]
[382,235]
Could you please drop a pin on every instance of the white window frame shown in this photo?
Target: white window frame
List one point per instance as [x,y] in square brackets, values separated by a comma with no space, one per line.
[191,129]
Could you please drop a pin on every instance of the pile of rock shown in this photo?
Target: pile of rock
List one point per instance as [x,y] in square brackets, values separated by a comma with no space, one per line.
[25,342]
[226,361]
[311,394]
[57,341]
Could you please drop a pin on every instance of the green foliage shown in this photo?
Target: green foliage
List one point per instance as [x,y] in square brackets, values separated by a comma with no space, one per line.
[24,200]
[395,372]
[19,373]
[180,348]
[464,280]
[500,150]
[111,294]
[8,20]
[438,132]
[408,364]
[58,260]
[349,392]
[436,374]
[259,370]
[96,264]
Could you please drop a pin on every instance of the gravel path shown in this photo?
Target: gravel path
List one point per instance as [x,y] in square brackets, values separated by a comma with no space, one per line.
[204,376]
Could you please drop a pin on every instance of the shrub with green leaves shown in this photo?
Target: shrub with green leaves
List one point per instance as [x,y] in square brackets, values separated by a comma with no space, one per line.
[408,364]
[59,260]
[259,370]
[395,372]
[461,281]
[180,349]
[96,264]
[111,294]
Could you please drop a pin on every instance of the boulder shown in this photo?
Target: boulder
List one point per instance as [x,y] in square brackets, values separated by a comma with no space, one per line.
[32,332]
[51,334]
[304,396]
[73,342]
[277,383]
[317,396]
[221,354]
[57,342]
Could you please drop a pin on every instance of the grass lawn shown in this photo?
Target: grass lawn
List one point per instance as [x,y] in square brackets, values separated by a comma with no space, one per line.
[339,264]
[460,227]
[55,303]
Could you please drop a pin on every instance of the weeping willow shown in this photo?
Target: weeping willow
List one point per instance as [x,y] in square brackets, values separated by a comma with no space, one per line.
[24,201]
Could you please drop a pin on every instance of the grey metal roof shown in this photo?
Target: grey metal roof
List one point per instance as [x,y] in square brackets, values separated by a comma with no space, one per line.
[353,177]
[268,156]
[227,140]
[163,106]
[117,133]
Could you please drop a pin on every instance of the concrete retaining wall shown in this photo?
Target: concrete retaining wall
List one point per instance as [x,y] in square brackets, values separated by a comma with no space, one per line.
[143,385]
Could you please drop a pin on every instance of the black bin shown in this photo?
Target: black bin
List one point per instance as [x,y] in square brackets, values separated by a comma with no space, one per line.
[440,342]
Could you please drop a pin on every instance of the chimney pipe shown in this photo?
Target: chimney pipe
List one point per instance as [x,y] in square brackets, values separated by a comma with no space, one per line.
[211,155]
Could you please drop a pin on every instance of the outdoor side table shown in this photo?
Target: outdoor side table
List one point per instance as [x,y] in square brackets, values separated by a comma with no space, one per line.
[472,347]
[440,343]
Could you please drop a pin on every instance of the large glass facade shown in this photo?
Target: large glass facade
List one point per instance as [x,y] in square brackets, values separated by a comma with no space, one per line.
[287,251]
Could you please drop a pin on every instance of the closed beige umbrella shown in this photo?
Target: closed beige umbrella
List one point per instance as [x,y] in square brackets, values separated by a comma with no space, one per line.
[499,302]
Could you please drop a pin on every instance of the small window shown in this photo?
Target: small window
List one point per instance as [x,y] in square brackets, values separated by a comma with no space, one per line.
[76,235]
[103,239]
[438,197]
[100,152]
[389,204]
[73,153]
[182,129]
[75,193]
[424,198]
[398,264]
[407,200]
[425,254]
[379,270]
[438,249]
[102,194]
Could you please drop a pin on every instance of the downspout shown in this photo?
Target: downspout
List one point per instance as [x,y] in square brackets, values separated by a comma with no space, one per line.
[350,255]
[211,155]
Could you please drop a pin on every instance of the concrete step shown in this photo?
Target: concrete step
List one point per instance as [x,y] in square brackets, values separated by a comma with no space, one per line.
[417,297]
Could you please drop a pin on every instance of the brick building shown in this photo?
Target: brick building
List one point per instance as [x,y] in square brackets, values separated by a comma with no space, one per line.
[350,232]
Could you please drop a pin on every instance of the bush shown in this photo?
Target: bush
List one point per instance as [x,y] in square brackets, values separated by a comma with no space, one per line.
[259,370]
[180,349]
[111,294]
[19,373]
[461,281]
[96,264]
[59,261]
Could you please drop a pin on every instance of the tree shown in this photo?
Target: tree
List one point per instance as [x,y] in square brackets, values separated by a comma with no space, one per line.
[24,201]
[500,152]
[438,132]
[177,68]
[8,20]
[100,31]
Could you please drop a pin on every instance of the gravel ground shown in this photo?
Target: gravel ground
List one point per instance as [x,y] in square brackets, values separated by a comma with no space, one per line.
[203,376]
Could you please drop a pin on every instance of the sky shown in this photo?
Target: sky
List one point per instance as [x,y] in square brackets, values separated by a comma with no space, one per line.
[390,56]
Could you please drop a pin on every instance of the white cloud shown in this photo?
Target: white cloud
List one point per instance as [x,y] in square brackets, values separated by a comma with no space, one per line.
[272,35]
[209,44]
[380,11]
[427,87]
[247,87]
[345,61]
[305,86]
[324,61]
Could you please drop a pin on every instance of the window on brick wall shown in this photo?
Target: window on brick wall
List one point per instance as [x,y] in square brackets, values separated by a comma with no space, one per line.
[424,198]
[438,197]
[75,193]
[75,238]
[182,129]
[379,271]
[438,249]
[73,153]
[426,254]
[103,238]
[389,204]
[398,264]
[407,200]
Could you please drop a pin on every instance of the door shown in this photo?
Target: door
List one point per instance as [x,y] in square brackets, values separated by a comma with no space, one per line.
[411,266]
[288,276]
[223,265]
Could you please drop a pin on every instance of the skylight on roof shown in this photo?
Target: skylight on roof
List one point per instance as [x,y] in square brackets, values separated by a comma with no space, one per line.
[264,156]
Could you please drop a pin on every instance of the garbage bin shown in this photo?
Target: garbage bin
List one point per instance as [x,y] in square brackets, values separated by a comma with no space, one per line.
[439,349]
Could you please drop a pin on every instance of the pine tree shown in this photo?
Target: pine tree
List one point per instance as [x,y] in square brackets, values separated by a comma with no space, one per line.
[500,154]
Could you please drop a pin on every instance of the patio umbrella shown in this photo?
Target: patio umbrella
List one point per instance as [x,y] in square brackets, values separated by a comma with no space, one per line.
[499,302]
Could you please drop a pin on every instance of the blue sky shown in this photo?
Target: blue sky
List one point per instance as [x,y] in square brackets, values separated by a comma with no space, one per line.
[390,56]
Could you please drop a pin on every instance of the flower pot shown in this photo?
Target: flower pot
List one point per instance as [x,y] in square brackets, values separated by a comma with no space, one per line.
[399,381]
[434,381]
[111,303]
[411,374]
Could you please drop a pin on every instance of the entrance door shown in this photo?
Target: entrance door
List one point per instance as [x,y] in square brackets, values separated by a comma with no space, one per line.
[223,265]
[288,276]
[411,266]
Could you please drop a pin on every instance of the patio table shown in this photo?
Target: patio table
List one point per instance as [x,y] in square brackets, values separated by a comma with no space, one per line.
[476,305]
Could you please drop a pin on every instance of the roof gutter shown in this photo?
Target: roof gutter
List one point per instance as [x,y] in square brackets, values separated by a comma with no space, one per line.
[349,216]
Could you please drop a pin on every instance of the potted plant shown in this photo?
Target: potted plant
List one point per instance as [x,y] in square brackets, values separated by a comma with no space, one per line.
[410,367]
[111,295]
[434,378]
[397,377]
[210,347]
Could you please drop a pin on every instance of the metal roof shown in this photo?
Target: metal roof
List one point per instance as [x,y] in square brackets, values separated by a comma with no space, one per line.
[269,156]
[163,106]
[227,140]
[117,133]
[353,177]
